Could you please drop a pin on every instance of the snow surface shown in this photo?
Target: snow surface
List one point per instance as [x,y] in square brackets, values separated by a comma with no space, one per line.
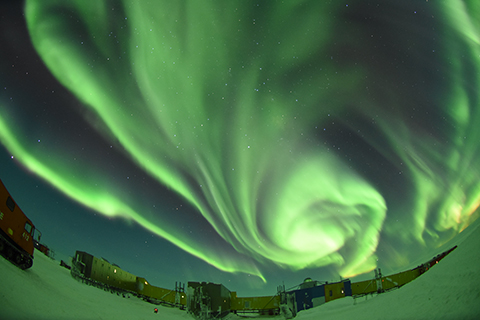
[48,291]
[450,290]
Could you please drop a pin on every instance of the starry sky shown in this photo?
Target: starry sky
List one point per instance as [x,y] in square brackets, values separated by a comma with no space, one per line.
[248,143]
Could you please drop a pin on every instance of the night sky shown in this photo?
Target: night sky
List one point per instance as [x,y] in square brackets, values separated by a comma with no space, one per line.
[247,143]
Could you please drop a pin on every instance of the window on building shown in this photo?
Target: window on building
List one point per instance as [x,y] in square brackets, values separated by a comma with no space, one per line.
[10,204]
[28,227]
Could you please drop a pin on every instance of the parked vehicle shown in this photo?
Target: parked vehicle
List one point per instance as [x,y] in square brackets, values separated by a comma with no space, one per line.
[16,231]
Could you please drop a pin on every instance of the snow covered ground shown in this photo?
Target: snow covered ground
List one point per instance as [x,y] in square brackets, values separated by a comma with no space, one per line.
[47,291]
[450,290]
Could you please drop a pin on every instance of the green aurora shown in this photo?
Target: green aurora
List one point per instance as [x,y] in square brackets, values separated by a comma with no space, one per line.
[230,106]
